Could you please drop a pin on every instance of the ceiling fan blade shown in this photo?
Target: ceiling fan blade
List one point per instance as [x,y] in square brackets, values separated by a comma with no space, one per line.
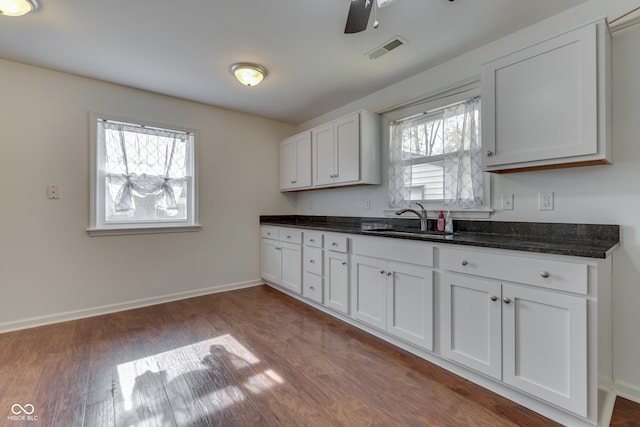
[358,17]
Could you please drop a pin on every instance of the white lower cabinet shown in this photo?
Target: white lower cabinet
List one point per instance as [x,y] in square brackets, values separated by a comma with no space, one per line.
[530,338]
[282,257]
[531,326]
[336,273]
[394,297]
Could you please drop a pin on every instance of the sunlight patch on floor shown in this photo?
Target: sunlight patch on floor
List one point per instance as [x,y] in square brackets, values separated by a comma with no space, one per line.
[190,381]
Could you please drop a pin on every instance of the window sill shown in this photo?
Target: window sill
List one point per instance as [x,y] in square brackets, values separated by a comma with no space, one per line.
[120,231]
[481,213]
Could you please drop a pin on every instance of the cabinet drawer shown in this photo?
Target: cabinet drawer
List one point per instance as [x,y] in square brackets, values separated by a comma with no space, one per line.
[312,287]
[336,243]
[545,273]
[412,252]
[291,235]
[312,259]
[313,238]
[269,232]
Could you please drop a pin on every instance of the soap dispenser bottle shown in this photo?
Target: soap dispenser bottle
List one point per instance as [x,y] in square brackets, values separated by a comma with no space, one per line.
[440,224]
[448,223]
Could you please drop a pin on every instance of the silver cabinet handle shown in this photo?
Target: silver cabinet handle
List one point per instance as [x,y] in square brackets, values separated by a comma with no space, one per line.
[293,182]
[389,273]
[344,262]
[278,249]
[312,288]
[381,271]
[311,240]
[506,300]
[493,298]
[312,261]
[489,153]
[464,262]
[334,244]
[544,274]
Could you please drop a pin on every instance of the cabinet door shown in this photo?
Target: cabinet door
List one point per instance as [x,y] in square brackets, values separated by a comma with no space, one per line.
[288,164]
[410,303]
[295,162]
[324,155]
[369,290]
[541,103]
[291,277]
[271,260]
[347,148]
[545,345]
[471,323]
[336,286]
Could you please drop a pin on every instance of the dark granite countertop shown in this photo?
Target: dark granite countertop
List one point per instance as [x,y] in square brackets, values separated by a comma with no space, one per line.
[582,240]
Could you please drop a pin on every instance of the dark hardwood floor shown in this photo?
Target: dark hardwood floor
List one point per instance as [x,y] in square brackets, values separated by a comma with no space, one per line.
[250,357]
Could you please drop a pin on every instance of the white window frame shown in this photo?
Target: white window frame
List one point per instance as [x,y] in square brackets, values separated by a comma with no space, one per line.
[97,224]
[438,101]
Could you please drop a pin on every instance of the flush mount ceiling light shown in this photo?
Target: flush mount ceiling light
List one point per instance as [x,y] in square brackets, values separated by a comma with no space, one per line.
[248,74]
[17,7]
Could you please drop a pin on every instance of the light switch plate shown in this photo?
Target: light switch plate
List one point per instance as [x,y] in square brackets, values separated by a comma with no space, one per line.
[507,202]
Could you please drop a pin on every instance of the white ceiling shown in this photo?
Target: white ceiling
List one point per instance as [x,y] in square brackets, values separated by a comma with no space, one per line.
[184,48]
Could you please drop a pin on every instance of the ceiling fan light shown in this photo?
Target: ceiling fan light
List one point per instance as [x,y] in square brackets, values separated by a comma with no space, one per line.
[383,3]
[248,74]
[17,7]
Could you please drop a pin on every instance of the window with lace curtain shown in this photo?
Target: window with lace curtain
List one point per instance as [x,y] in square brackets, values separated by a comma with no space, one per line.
[435,157]
[143,177]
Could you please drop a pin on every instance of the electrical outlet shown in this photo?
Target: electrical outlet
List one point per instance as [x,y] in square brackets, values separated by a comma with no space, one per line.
[545,201]
[53,192]
[367,204]
[507,202]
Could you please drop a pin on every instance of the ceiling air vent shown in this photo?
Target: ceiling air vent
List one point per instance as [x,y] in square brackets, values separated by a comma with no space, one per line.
[387,47]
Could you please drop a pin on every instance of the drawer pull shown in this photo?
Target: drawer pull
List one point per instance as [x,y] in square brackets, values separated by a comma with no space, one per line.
[506,300]
[493,298]
[288,237]
[311,288]
[381,271]
[312,240]
[389,273]
[334,244]
[464,262]
[312,261]
[278,249]
[489,153]
[344,262]
[544,274]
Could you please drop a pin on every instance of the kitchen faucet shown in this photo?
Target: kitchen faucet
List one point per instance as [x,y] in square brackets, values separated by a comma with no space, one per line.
[422,215]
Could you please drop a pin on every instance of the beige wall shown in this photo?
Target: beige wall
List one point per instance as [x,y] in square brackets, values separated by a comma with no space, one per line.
[50,269]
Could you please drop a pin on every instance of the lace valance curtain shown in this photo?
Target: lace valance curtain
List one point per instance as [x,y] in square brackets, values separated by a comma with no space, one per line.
[143,162]
[463,176]
[462,164]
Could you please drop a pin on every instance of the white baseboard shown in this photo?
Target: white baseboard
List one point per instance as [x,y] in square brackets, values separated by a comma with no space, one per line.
[628,391]
[113,308]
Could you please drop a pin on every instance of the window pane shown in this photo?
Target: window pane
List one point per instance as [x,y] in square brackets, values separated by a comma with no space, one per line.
[427,181]
[425,138]
[146,173]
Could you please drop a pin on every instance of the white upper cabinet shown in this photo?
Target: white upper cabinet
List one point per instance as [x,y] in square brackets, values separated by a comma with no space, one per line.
[346,151]
[548,105]
[295,162]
